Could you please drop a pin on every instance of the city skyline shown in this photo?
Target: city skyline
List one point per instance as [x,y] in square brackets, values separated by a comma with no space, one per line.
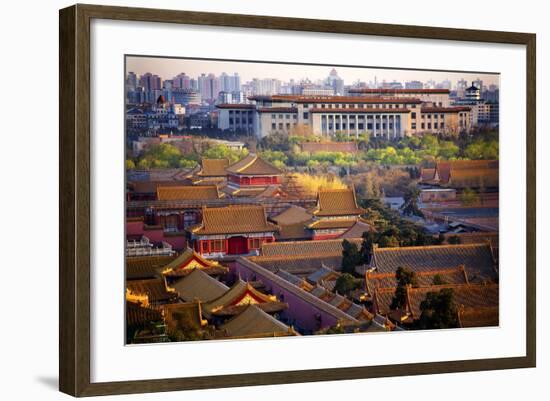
[167,68]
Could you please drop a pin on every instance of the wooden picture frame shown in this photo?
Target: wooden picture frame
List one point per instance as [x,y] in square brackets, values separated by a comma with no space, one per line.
[74,204]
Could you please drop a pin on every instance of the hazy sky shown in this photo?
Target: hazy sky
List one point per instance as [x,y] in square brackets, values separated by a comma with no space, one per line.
[167,68]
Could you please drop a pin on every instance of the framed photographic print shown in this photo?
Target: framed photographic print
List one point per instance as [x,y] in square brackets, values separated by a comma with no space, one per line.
[277,200]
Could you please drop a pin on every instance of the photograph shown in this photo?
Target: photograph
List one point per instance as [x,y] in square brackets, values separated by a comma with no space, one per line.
[268,199]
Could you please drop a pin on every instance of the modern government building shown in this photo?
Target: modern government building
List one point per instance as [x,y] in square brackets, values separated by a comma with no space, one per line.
[390,113]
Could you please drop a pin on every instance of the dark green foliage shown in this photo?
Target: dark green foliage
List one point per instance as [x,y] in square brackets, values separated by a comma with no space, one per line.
[350,257]
[346,283]
[438,311]
[405,277]
[410,204]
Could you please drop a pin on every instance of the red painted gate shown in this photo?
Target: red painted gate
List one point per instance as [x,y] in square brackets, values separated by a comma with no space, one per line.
[238,246]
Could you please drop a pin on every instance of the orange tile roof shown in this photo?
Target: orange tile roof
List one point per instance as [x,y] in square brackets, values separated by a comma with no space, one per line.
[252,164]
[213,167]
[477,259]
[337,202]
[463,169]
[188,192]
[234,219]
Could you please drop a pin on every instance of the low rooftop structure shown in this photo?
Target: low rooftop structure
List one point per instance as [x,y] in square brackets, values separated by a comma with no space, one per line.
[198,285]
[453,275]
[154,289]
[253,322]
[466,297]
[337,202]
[188,261]
[478,259]
[238,297]
[189,192]
[461,174]
[296,248]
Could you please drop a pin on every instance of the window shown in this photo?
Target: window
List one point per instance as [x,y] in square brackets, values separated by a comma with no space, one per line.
[230,120]
[287,116]
[306,115]
[413,126]
[254,243]
[361,126]
[442,125]
[204,246]
[429,125]
[288,126]
[306,105]
[280,126]
[273,116]
[280,116]
[413,115]
[273,126]
[217,245]
[441,116]
[369,125]
[435,125]
[422,126]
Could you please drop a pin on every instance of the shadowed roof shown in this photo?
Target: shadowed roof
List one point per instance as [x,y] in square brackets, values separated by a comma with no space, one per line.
[252,164]
[468,296]
[454,275]
[155,289]
[199,285]
[477,259]
[137,315]
[142,267]
[295,248]
[254,322]
[234,219]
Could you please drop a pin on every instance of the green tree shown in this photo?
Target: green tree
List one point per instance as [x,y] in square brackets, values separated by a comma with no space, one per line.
[410,201]
[350,257]
[438,311]
[405,277]
[346,283]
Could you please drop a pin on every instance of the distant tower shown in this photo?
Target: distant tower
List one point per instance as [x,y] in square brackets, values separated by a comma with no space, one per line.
[473,92]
